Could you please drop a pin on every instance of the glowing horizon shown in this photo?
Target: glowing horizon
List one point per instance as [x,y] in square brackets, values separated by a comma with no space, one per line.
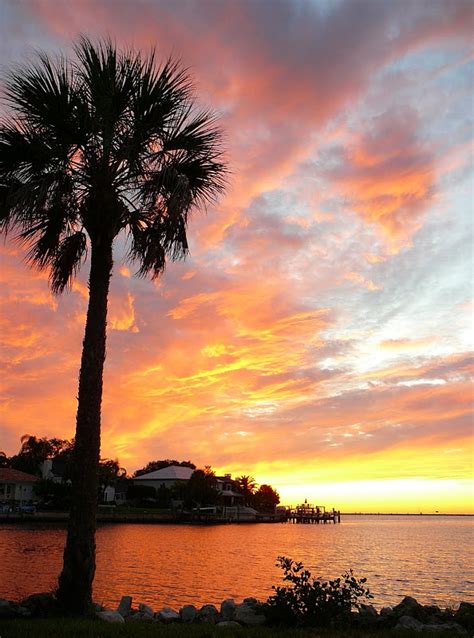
[319,337]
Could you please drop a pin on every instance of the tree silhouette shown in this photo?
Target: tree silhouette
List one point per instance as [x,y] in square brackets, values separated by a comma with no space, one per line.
[247,485]
[266,498]
[104,145]
[32,453]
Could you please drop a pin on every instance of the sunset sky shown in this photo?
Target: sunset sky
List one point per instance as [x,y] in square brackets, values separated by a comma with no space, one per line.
[319,336]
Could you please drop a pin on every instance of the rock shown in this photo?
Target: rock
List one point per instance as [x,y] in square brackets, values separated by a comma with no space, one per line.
[125,606]
[408,622]
[386,617]
[41,605]
[410,607]
[188,613]
[23,612]
[366,617]
[7,609]
[250,601]
[227,623]
[367,611]
[433,614]
[110,616]
[137,616]
[146,610]
[228,609]
[167,615]
[208,614]
[453,628]
[249,614]
[465,615]
[387,613]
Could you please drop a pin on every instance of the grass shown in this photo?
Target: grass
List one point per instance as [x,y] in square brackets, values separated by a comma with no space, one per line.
[90,628]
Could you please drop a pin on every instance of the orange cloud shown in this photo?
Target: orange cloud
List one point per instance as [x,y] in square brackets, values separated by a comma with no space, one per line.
[388,175]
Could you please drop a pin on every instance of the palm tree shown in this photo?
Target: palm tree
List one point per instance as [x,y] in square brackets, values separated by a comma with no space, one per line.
[104,145]
[247,485]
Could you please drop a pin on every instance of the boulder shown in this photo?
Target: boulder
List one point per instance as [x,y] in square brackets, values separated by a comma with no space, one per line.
[188,613]
[208,614]
[41,605]
[110,616]
[249,614]
[7,609]
[228,609]
[146,610]
[408,622]
[125,606]
[137,616]
[453,628]
[386,619]
[227,623]
[366,616]
[167,615]
[23,612]
[410,607]
[465,615]
[387,616]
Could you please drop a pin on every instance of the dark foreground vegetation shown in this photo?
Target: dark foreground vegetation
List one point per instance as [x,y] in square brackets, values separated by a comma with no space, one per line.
[84,628]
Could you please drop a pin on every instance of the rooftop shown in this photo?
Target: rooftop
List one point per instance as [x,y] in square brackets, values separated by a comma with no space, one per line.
[172,472]
[16,476]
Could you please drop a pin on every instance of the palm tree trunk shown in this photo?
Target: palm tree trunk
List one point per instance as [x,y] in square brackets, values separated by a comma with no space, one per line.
[75,581]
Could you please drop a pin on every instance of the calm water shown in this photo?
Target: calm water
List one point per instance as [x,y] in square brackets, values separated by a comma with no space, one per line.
[429,558]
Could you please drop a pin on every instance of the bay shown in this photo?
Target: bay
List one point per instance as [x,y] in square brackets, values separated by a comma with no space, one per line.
[430,558]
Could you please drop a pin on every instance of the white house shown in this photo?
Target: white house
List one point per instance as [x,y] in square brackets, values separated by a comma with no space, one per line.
[16,486]
[228,490]
[167,476]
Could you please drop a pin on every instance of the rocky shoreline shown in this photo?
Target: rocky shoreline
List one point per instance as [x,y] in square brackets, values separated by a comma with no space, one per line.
[409,614]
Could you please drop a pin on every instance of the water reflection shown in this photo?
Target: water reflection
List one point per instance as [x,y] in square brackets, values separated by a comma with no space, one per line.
[168,564]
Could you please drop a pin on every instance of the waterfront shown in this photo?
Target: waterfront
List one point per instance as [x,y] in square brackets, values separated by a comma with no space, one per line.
[426,557]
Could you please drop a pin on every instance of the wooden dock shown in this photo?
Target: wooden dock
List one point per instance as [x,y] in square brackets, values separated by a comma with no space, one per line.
[307,513]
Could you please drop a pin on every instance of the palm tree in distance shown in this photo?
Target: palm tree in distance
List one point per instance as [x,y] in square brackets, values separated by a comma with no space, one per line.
[102,145]
[247,485]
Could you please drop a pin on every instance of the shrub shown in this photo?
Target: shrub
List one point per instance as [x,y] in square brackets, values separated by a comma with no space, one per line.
[307,602]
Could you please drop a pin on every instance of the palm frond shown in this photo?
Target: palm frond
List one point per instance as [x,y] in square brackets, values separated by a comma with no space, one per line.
[44,95]
[147,249]
[67,260]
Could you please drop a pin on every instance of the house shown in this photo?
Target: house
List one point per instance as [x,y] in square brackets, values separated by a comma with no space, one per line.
[16,486]
[53,470]
[115,494]
[229,493]
[167,477]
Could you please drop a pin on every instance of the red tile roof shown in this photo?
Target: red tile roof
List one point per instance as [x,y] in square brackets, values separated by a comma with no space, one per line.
[15,476]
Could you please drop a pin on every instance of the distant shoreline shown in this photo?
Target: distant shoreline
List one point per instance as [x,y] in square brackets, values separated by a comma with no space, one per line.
[166,519]
[399,514]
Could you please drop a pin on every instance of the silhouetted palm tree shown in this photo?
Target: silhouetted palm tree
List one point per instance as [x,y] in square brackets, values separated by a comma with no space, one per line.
[247,485]
[104,145]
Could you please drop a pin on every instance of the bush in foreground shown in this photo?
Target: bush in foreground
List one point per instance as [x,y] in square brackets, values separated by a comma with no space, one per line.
[308,602]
